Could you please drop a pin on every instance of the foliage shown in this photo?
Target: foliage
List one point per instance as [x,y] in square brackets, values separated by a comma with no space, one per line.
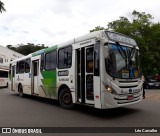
[140,26]
[2,7]
[97,28]
[26,49]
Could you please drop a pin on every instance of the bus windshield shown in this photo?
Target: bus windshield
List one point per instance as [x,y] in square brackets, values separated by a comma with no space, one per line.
[123,61]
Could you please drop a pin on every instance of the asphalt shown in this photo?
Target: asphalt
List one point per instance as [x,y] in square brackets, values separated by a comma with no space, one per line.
[39,112]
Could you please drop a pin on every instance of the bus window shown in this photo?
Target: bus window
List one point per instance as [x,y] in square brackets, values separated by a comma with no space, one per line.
[17,68]
[35,68]
[89,60]
[3,74]
[42,62]
[96,59]
[51,60]
[65,57]
[10,69]
[27,65]
[21,66]
[61,58]
[13,70]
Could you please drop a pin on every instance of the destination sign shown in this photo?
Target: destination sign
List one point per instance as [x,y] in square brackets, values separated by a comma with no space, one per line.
[120,38]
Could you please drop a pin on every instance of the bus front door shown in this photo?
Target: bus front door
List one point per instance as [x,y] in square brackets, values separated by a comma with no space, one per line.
[35,69]
[85,89]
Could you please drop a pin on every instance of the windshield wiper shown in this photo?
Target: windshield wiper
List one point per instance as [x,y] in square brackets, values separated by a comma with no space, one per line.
[132,53]
[122,51]
[126,54]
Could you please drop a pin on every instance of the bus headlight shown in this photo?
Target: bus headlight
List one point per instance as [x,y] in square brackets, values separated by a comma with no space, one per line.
[110,89]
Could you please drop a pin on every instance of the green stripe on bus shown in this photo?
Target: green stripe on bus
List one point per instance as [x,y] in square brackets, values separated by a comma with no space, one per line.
[49,82]
[51,48]
[44,50]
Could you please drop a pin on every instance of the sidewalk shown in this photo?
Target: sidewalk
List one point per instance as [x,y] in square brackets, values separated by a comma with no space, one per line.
[153,95]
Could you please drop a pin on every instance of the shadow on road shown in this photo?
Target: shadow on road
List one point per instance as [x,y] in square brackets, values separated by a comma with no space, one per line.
[99,113]
[40,99]
[107,113]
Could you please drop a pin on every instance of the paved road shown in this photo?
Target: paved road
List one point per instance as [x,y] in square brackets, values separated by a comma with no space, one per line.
[38,112]
[153,95]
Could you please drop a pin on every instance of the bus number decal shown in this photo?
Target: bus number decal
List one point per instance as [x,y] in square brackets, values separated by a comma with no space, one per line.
[63,73]
[63,79]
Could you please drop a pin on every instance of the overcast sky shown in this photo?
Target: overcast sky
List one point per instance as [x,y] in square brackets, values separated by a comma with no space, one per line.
[51,22]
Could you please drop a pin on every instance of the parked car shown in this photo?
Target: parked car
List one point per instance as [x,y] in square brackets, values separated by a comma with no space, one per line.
[157,77]
[152,83]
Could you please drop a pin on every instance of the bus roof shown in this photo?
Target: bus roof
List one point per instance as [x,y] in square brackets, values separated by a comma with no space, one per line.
[22,58]
[96,34]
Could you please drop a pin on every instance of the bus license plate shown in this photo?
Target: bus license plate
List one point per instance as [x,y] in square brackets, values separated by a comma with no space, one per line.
[130,97]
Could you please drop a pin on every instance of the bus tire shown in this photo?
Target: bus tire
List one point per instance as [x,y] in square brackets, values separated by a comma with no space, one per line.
[65,99]
[20,90]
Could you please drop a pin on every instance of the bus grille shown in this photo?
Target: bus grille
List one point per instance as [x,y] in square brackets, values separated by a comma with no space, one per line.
[123,100]
[128,83]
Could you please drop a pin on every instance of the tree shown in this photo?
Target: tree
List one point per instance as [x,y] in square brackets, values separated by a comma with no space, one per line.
[147,35]
[140,26]
[26,49]
[97,28]
[2,7]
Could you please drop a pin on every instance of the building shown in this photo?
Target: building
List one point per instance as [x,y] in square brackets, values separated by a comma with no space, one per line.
[6,56]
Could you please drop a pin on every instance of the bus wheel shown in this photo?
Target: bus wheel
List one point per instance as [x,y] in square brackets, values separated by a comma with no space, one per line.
[65,99]
[21,91]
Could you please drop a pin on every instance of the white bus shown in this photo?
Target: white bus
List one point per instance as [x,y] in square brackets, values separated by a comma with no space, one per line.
[6,56]
[3,77]
[101,69]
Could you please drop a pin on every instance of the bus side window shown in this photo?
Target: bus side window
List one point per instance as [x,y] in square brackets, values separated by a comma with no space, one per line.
[10,69]
[51,60]
[27,65]
[42,62]
[89,60]
[65,57]
[3,74]
[17,68]
[96,59]
[13,71]
[35,69]
[61,58]
[68,56]
[21,66]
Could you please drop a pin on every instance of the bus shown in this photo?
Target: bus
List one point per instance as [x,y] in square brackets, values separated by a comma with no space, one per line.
[3,77]
[6,56]
[101,69]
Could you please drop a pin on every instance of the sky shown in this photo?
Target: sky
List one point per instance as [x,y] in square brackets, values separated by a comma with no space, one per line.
[52,22]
